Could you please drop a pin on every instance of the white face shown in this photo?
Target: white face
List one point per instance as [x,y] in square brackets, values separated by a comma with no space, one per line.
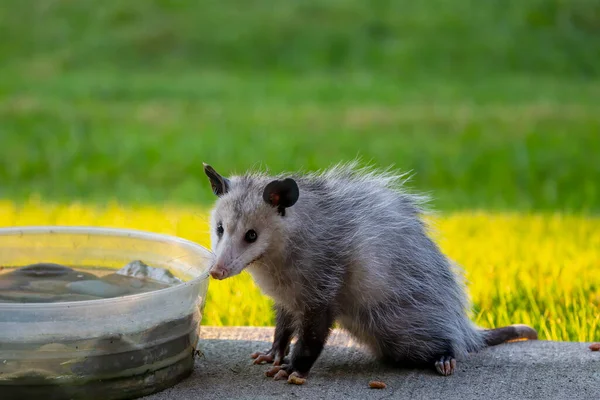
[236,241]
[246,222]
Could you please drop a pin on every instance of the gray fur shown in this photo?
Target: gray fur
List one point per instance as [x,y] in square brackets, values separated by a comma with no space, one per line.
[354,241]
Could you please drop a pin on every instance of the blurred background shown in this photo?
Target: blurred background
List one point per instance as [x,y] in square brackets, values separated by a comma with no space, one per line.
[489,104]
[494,107]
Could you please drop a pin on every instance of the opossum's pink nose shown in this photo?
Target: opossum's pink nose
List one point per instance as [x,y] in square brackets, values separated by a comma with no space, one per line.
[218,271]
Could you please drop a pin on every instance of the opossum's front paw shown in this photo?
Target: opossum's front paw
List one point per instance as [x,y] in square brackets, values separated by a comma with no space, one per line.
[261,357]
[279,371]
[445,365]
[285,371]
[269,357]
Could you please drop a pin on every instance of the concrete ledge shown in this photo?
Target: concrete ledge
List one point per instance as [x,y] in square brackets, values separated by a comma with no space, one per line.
[521,370]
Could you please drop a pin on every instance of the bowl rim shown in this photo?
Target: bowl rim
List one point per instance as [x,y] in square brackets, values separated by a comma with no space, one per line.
[103,231]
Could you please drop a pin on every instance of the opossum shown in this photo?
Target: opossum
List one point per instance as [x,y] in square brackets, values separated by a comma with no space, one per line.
[348,244]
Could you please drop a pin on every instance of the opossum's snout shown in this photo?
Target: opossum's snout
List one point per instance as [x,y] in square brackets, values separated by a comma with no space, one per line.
[220,271]
[223,268]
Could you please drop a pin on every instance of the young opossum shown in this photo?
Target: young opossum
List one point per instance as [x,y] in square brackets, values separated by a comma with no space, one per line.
[347,245]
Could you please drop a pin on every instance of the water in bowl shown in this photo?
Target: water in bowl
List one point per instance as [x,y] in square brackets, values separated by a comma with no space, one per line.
[50,283]
[112,366]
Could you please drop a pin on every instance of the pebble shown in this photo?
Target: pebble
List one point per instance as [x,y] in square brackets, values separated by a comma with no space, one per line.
[134,284]
[96,288]
[47,271]
[54,347]
[140,270]
[44,270]
[6,283]
[52,286]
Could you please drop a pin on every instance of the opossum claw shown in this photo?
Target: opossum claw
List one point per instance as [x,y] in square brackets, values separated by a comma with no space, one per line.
[279,360]
[261,357]
[281,375]
[445,365]
[255,354]
[274,371]
[284,372]
[268,357]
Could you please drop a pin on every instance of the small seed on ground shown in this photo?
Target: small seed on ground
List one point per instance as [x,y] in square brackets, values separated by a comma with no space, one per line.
[377,385]
[296,380]
[595,347]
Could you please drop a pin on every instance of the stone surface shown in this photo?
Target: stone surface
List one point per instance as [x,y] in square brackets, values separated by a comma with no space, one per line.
[521,370]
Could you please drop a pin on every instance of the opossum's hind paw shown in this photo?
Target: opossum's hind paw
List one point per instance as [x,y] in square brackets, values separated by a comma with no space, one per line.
[445,365]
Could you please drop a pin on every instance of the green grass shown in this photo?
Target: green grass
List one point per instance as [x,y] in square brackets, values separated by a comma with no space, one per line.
[456,38]
[490,106]
[142,138]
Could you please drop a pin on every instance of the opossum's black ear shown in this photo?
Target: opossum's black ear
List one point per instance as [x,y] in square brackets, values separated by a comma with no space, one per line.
[220,185]
[281,194]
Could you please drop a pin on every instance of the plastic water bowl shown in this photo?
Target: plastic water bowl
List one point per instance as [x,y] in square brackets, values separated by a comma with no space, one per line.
[94,344]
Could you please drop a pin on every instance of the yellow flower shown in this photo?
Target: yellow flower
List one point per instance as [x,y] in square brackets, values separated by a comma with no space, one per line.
[535,269]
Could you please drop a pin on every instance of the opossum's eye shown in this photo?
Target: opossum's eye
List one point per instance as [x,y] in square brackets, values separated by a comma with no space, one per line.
[250,236]
[220,229]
